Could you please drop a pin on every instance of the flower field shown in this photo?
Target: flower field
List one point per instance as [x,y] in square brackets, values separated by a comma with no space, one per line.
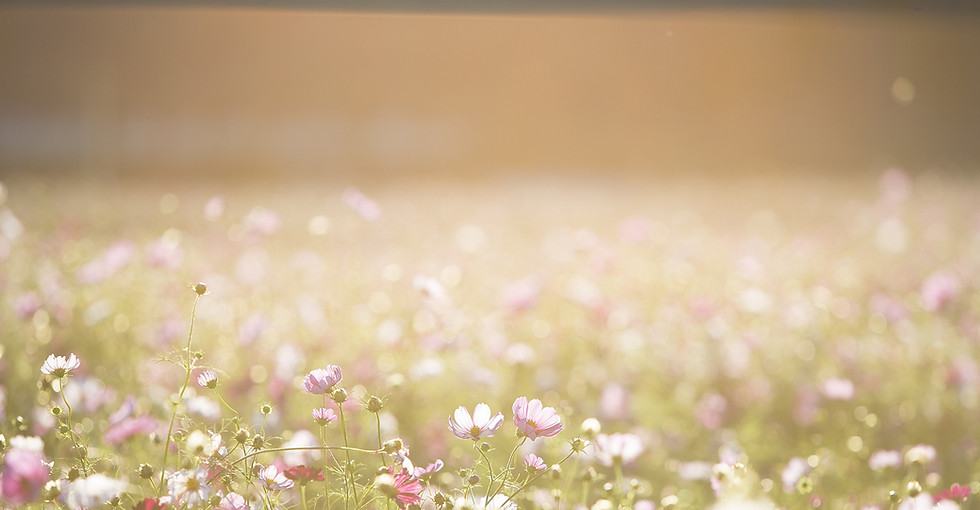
[577,343]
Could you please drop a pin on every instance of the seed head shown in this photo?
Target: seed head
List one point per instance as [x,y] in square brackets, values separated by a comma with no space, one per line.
[200,288]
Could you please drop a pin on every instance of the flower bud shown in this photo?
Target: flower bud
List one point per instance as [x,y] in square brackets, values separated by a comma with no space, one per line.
[914,488]
[200,288]
[485,447]
[578,444]
[392,445]
[375,404]
[473,479]
[241,436]
[591,428]
[214,500]
[51,490]
[589,474]
[56,410]
[258,442]
[339,395]
[669,502]
[266,409]
[893,496]
[555,471]
[145,471]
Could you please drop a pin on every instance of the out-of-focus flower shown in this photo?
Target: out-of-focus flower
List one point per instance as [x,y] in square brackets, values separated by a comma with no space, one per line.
[308,442]
[533,463]
[321,380]
[150,504]
[24,474]
[26,305]
[214,208]
[361,204]
[954,492]
[205,444]
[838,389]
[920,454]
[938,290]
[921,502]
[481,424]
[189,488]
[534,420]
[304,475]
[93,491]
[711,410]
[273,479]
[614,402]
[618,448]
[795,469]
[261,221]
[401,487]
[882,459]
[129,427]
[60,366]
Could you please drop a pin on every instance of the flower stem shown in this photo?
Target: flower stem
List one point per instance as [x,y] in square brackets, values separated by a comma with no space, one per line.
[180,396]
[347,466]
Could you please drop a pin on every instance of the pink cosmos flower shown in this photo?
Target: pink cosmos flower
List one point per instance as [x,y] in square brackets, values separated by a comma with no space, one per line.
[321,380]
[534,420]
[401,487]
[273,479]
[533,463]
[59,366]
[421,472]
[322,416]
[954,492]
[480,425]
[129,427]
[24,474]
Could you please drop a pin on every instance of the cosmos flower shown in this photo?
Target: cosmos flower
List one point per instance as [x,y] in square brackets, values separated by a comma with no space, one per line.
[273,479]
[208,379]
[533,463]
[189,487]
[233,501]
[480,425]
[322,416]
[60,366]
[401,487]
[422,472]
[320,380]
[534,420]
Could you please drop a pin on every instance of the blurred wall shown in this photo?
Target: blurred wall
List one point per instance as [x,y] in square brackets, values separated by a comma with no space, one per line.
[138,91]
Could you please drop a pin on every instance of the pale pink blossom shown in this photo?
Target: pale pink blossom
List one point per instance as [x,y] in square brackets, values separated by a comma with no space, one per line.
[533,463]
[938,290]
[323,416]
[882,459]
[321,380]
[422,472]
[361,204]
[481,424]
[838,389]
[618,448]
[534,420]
[233,501]
[208,379]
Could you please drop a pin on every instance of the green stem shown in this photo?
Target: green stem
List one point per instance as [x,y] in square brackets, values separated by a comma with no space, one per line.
[180,396]
[71,427]
[503,472]
[249,456]
[347,466]
[531,479]
[384,460]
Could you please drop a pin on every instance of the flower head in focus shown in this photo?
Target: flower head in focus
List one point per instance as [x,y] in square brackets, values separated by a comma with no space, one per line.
[534,420]
[60,366]
[481,424]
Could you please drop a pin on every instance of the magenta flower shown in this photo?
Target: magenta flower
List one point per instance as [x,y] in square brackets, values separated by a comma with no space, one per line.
[24,475]
[323,416]
[480,425]
[533,463]
[321,380]
[401,487]
[60,366]
[534,421]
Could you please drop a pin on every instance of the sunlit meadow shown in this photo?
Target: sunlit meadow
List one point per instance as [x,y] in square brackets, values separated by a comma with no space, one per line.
[526,343]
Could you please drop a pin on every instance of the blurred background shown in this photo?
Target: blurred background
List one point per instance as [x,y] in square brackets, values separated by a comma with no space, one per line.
[435,89]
